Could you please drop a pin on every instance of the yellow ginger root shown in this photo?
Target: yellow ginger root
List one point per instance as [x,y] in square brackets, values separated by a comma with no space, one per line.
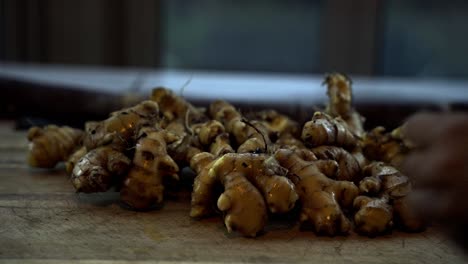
[282,130]
[121,127]
[212,136]
[326,130]
[186,147]
[174,107]
[208,136]
[188,122]
[51,145]
[203,186]
[208,131]
[360,158]
[250,137]
[276,163]
[99,169]
[244,207]
[308,155]
[81,151]
[391,187]
[74,158]
[242,204]
[200,136]
[195,131]
[398,134]
[257,142]
[384,179]
[249,180]
[221,145]
[348,167]
[386,147]
[288,141]
[374,216]
[322,198]
[387,181]
[276,123]
[340,102]
[340,94]
[143,187]
[263,171]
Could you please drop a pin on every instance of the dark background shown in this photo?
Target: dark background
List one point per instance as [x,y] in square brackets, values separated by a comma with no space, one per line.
[416,38]
[385,41]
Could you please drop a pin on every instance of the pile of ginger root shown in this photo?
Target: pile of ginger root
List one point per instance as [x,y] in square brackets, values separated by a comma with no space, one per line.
[329,172]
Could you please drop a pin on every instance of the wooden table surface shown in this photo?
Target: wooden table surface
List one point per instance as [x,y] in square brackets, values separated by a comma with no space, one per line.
[42,220]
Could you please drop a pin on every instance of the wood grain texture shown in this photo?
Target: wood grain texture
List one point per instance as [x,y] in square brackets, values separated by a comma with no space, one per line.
[42,220]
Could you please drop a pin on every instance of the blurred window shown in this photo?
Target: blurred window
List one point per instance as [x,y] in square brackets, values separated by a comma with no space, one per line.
[260,35]
[413,38]
[425,38]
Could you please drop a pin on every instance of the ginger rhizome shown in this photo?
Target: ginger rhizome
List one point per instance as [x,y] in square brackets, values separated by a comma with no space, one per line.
[186,147]
[349,168]
[322,198]
[387,147]
[51,145]
[74,158]
[133,131]
[107,142]
[374,215]
[386,204]
[143,187]
[281,130]
[250,137]
[276,123]
[252,184]
[196,132]
[120,129]
[175,107]
[382,178]
[340,102]
[248,166]
[99,169]
[326,130]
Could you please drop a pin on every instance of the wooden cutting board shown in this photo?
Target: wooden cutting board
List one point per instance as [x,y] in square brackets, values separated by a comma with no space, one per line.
[42,220]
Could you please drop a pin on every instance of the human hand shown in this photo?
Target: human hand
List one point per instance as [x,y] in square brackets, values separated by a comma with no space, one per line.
[439,168]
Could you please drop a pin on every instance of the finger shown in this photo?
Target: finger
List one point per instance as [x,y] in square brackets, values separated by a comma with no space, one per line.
[411,163]
[431,168]
[424,128]
[431,204]
[414,127]
[418,168]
